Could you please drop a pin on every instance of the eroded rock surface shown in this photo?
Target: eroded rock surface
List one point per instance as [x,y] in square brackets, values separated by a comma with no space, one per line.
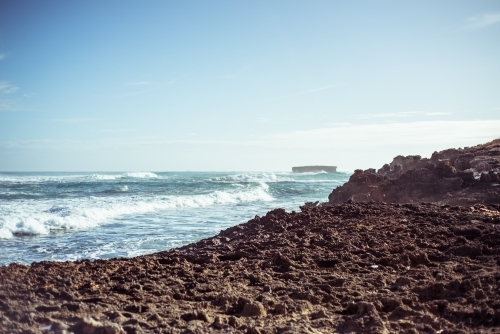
[455,176]
[349,268]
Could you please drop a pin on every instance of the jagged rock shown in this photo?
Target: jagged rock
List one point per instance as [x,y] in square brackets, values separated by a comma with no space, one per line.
[453,177]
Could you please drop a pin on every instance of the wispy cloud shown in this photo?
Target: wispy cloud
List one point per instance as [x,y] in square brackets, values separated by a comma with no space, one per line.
[74,120]
[3,56]
[481,21]
[379,135]
[7,87]
[142,87]
[7,105]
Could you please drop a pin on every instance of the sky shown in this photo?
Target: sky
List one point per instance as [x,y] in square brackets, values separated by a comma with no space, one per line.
[243,85]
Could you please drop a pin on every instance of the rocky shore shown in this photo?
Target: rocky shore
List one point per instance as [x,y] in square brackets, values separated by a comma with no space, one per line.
[455,176]
[360,266]
[349,268]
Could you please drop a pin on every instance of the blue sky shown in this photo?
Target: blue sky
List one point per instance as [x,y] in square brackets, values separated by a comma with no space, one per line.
[257,85]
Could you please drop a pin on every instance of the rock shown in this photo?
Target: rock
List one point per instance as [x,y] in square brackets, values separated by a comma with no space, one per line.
[90,326]
[280,309]
[448,177]
[234,322]
[436,269]
[255,309]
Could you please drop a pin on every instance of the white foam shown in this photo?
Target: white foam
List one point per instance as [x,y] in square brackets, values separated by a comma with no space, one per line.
[104,177]
[141,175]
[253,177]
[40,217]
[5,233]
[39,179]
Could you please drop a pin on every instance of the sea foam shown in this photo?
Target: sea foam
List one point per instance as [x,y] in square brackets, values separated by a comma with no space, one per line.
[40,217]
[141,175]
[253,177]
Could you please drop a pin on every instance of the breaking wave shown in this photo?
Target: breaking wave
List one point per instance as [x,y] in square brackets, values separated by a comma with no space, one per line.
[33,218]
[253,177]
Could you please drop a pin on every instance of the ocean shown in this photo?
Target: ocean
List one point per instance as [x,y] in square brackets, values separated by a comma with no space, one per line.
[71,216]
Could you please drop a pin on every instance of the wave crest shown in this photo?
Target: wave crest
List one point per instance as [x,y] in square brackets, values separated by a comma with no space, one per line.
[141,175]
[73,214]
[252,177]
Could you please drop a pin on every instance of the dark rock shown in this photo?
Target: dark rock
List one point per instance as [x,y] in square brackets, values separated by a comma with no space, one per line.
[455,177]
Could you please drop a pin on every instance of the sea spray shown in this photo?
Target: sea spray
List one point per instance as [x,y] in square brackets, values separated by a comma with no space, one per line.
[68,216]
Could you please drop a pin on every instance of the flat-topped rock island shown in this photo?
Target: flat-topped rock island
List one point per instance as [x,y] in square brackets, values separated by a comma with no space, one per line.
[314,169]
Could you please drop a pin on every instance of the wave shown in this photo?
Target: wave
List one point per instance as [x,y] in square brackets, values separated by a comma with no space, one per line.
[252,177]
[142,175]
[104,177]
[34,218]
[121,189]
[72,178]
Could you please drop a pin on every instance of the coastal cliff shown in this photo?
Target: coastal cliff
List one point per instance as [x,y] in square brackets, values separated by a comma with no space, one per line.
[463,176]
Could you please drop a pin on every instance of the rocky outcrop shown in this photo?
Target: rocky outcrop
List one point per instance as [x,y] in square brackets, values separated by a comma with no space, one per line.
[349,268]
[463,176]
[314,169]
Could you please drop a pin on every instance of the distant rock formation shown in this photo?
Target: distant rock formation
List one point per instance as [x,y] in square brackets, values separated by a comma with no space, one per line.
[314,169]
[454,176]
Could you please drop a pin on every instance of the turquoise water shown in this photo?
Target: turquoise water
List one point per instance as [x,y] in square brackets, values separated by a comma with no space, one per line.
[70,216]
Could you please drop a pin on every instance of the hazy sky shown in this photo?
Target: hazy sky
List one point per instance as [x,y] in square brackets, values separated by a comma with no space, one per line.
[234,85]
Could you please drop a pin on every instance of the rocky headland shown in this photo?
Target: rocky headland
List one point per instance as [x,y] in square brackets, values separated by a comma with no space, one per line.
[361,266]
[463,176]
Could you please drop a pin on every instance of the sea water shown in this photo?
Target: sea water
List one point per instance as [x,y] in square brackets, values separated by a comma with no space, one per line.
[71,216]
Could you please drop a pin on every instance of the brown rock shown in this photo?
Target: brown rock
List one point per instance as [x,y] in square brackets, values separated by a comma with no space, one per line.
[453,177]
[255,309]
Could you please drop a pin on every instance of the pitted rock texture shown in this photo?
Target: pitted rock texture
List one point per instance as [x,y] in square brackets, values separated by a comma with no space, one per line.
[350,268]
[455,176]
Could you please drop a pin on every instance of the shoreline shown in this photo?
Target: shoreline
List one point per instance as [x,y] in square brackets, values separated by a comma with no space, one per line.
[353,267]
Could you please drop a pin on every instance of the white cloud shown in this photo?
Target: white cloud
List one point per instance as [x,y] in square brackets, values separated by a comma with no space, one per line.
[7,87]
[7,105]
[343,136]
[481,21]
[3,56]
[347,146]
[381,135]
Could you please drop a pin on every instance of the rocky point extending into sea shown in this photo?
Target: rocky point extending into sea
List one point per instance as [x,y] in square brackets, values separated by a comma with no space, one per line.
[413,247]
